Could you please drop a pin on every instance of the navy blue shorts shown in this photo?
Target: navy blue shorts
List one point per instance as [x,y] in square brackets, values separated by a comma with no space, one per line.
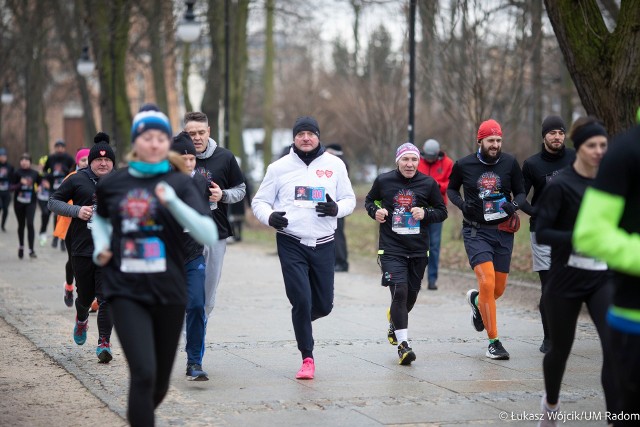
[489,244]
[398,270]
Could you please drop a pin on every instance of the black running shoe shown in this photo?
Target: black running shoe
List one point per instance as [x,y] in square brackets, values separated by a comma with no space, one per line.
[20,253]
[405,354]
[195,373]
[496,351]
[476,317]
[32,254]
[68,294]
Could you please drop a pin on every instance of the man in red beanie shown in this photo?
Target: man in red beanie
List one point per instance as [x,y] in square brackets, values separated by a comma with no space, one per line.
[492,182]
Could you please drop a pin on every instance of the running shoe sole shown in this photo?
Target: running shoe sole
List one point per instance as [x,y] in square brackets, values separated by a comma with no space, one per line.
[407,358]
[105,356]
[480,326]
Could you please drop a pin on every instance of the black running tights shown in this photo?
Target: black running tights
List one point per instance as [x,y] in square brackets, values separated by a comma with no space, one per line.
[89,286]
[25,215]
[402,301]
[562,317]
[149,336]
[543,274]
[5,201]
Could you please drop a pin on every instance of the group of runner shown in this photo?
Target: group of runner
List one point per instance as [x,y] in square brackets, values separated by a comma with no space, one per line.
[125,222]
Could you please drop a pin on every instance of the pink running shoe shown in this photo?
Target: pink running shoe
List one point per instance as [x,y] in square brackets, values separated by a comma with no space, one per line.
[307,370]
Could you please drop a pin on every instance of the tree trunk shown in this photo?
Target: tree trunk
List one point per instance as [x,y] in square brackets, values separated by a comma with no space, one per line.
[186,70]
[108,23]
[154,13]
[73,42]
[214,81]
[237,73]
[268,85]
[428,10]
[30,26]
[536,69]
[604,66]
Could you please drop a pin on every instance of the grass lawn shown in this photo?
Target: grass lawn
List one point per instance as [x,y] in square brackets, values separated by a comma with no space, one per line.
[362,239]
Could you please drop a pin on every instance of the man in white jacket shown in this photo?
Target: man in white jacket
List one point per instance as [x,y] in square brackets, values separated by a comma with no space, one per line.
[301,196]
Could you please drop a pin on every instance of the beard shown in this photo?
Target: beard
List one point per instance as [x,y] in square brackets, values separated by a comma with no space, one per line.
[485,153]
[551,147]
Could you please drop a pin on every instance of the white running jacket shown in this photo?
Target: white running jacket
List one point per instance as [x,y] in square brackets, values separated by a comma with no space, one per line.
[277,193]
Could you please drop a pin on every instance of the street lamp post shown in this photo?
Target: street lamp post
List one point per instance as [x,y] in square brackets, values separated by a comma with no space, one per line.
[7,96]
[85,65]
[188,29]
[412,68]
[226,73]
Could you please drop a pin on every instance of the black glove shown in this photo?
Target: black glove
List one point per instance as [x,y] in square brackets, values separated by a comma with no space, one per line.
[466,209]
[278,221]
[328,208]
[509,208]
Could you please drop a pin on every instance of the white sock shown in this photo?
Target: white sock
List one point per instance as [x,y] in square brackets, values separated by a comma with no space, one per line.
[401,335]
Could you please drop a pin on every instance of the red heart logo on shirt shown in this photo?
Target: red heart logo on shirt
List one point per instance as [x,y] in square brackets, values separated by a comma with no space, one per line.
[319,173]
[328,173]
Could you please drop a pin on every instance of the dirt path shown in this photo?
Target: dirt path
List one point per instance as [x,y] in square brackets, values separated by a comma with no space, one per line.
[35,391]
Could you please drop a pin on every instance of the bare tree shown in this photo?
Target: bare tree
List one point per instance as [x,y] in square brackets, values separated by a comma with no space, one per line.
[269,56]
[604,64]
[32,27]
[72,33]
[108,24]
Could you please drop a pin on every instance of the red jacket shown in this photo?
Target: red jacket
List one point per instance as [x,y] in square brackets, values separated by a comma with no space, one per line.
[440,170]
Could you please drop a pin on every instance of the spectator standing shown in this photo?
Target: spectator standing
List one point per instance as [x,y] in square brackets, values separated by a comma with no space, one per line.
[436,164]
[342,252]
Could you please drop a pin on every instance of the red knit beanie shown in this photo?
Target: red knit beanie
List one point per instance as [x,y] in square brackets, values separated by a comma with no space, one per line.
[489,128]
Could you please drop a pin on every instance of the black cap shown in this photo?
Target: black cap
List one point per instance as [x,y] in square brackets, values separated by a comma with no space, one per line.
[306,123]
[183,144]
[59,143]
[552,123]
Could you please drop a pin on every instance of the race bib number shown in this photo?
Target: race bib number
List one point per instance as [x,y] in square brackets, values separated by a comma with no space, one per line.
[577,260]
[144,255]
[43,194]
[405,224]
[57,182]
[24,197]
[492,209]
[308,197]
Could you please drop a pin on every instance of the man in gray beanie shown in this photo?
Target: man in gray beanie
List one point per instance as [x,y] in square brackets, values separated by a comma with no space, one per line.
[537,171]
[437,165]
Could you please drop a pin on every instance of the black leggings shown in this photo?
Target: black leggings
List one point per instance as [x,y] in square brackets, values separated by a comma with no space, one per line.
[562,317]
[25,215]
[402,301]
[89,286]
[543,274]
[149,336]
[45,214]
[5,201]
[68,266]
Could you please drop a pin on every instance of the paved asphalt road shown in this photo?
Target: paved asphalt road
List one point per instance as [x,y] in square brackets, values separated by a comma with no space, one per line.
[251,354]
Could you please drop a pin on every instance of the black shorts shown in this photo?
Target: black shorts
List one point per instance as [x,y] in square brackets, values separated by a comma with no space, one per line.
[488,244]
[398,270]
